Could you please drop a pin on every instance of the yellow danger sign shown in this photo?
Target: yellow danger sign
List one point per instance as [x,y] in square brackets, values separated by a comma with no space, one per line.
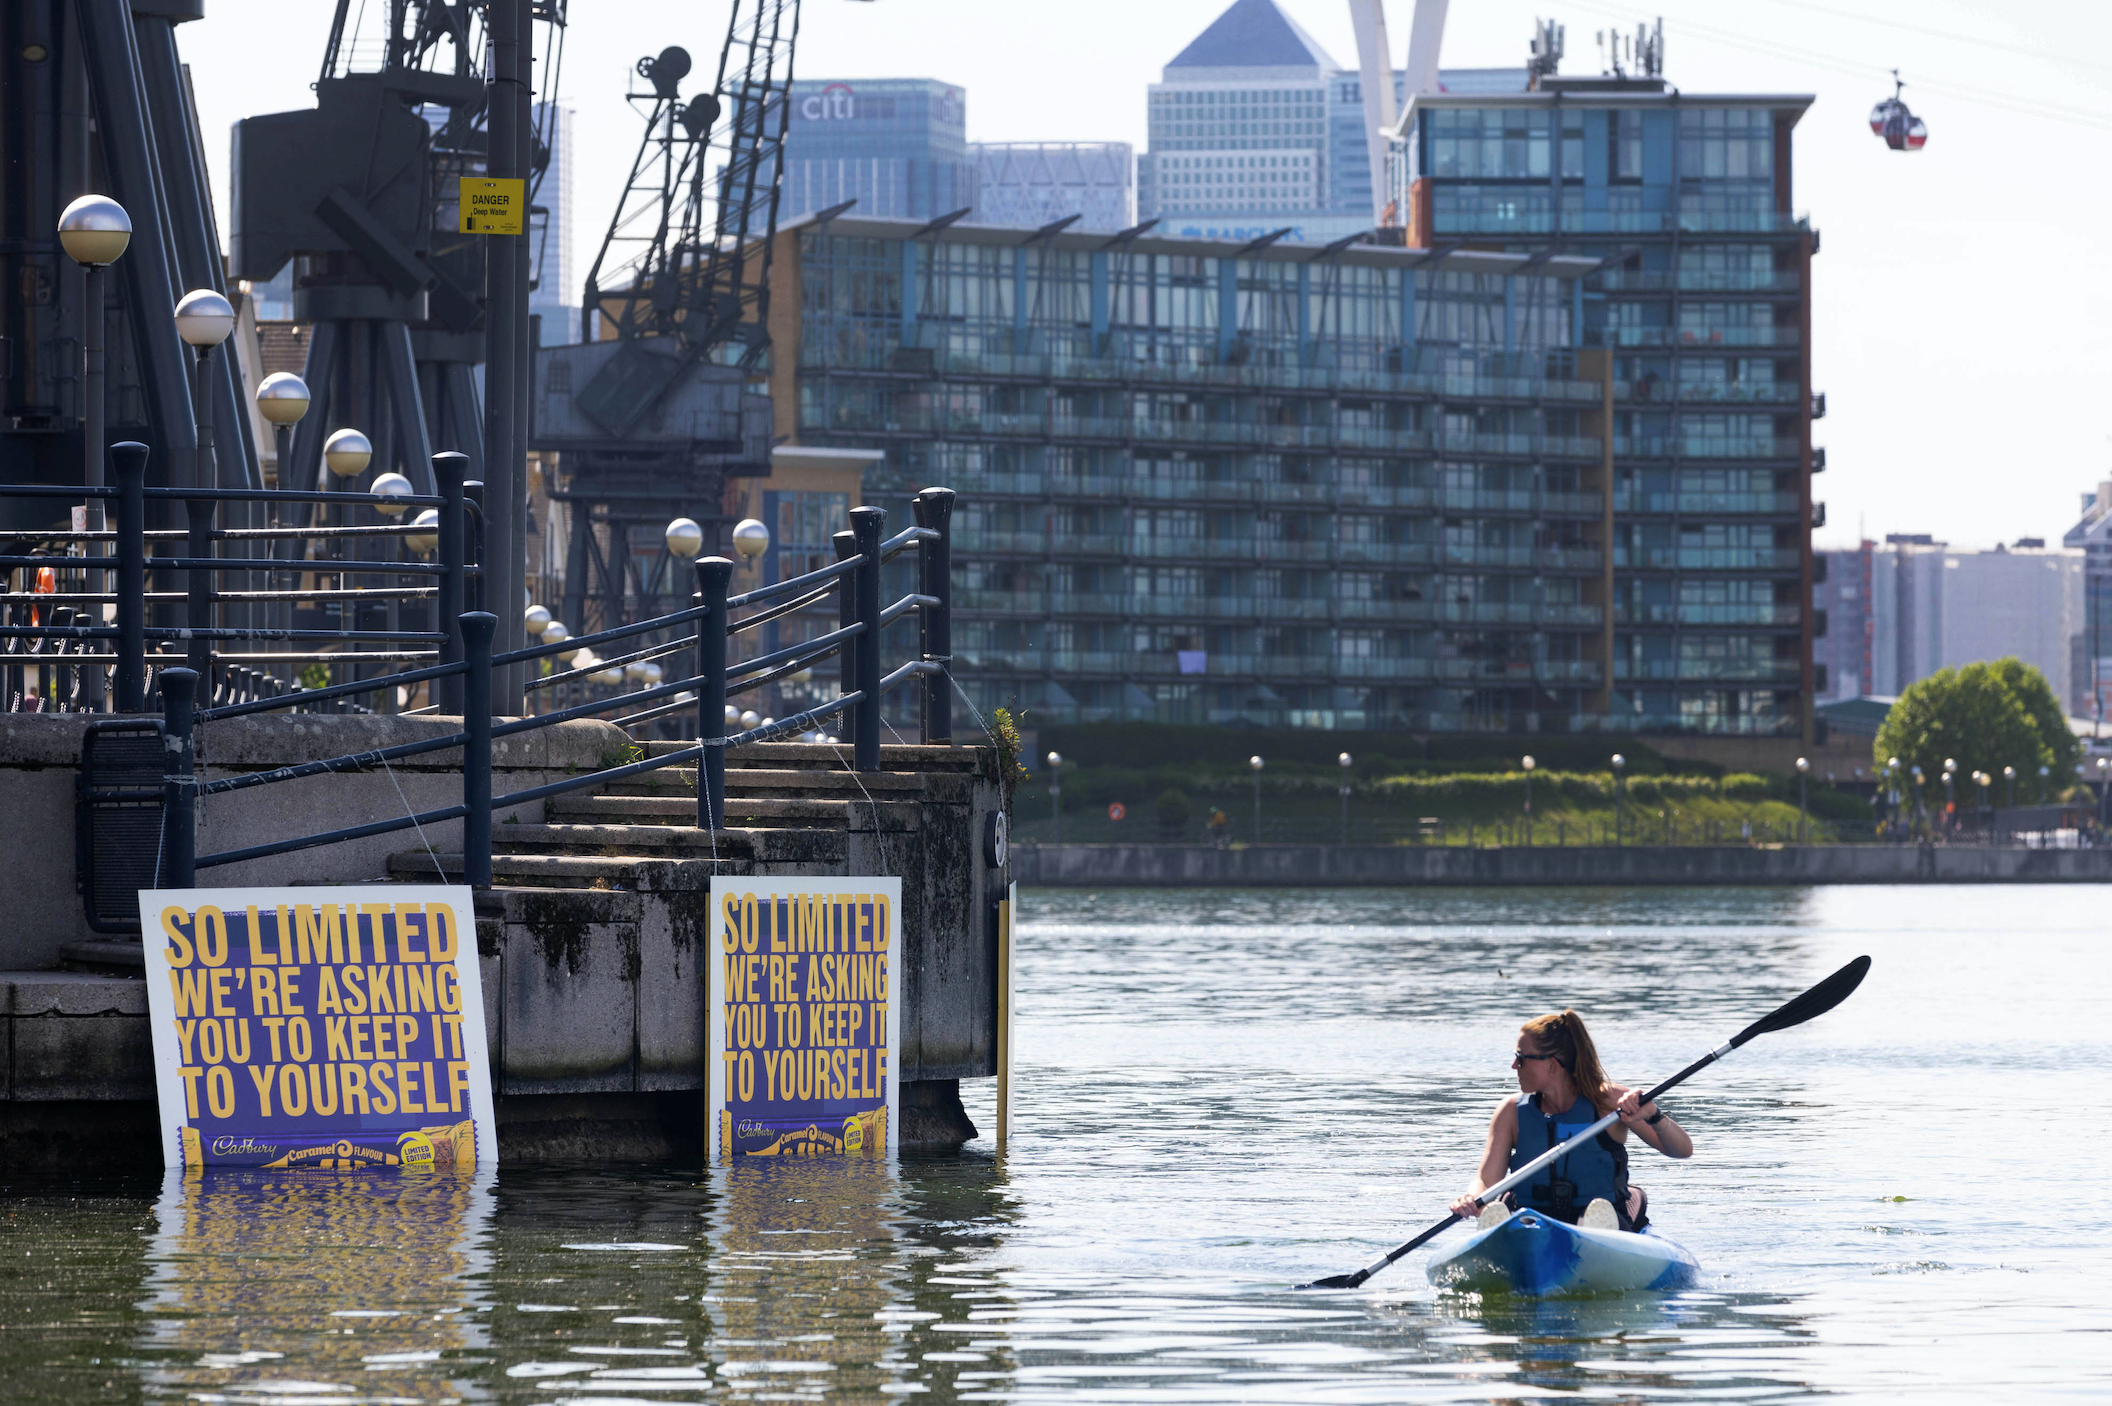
[493,206]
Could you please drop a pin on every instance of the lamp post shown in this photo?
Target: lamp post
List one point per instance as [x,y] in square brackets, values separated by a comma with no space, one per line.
[1343,762]
[1619,762]
[2044,772]
[94,231]
[1892,796]
[282,398]
[1803,810]
[2009,777]
[1528,764]
[1920,807]
[203,320]
[1056,792]
[2102,763]
[1254,763]
[1950,797]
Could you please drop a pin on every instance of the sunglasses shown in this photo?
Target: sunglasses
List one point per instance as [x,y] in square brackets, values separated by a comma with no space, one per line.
[1519,1056]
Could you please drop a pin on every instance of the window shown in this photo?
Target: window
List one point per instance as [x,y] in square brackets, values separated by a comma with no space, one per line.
[1626,134]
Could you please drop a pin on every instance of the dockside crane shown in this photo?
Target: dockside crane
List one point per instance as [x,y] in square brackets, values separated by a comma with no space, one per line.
[653,410]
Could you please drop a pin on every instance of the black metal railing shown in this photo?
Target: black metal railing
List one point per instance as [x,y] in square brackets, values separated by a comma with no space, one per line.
[707,628]
[210,627]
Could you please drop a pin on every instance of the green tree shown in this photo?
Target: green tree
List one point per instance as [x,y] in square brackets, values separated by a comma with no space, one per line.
[1983,716]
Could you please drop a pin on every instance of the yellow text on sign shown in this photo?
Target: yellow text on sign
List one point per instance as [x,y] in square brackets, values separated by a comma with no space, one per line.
[493,206]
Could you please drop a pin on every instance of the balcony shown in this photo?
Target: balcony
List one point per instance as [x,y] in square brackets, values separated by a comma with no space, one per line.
[1403,611]
[1376,496]
[1372,666]
[1469,554]
[1760,613]
[1485,500]
[1723,393]
[1386,553]
[1453,613]
[1696,281]
[1588,616]
[1570,558]
[1000,602]
[1098,489]
[1712,559]
[1709,670]
[1698,337]
[1707,447]
[1280,491]
[980,543]
[1709,504]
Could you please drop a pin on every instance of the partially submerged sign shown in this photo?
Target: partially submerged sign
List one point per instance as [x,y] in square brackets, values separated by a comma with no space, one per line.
[328,1028]
[492,206]
[805,988]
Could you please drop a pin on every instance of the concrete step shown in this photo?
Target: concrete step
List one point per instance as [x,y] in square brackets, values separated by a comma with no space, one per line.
[815,756]
[543,871]
[592,839]
[779,783]
[682,810]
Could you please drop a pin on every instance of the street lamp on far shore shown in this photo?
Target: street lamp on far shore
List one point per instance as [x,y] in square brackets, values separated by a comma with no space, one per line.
[2009,775]
[1055,760]
[1619,762]
[1344,762]
[1255,764]
[1803,810]
[1528,763]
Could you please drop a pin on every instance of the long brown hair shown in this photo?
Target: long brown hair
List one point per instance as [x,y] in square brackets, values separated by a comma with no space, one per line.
[1563,1035]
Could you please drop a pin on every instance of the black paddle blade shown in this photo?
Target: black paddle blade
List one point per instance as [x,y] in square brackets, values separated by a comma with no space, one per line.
[1811,1005]
[1336,1281]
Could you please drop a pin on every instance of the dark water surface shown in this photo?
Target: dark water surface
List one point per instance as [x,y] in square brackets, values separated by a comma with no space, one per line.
[1221,1094]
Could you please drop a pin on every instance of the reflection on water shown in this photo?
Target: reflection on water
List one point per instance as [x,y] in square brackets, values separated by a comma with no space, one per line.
[269,1286]
[1221,1095]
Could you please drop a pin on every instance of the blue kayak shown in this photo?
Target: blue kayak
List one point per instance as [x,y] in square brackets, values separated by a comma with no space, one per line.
[1532,1253]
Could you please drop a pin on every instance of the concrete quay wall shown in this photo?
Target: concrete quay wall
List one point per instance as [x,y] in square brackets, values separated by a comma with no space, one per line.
[40,757]
[1320,866]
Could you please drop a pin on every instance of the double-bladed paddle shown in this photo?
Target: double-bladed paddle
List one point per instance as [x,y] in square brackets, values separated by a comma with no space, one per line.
[1809,1006]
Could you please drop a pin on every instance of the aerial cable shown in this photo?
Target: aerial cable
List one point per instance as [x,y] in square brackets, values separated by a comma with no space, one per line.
[1977,42]
[1987,97]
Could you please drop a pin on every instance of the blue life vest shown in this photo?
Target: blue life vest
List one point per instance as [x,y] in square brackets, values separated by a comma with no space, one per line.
[1598,1169]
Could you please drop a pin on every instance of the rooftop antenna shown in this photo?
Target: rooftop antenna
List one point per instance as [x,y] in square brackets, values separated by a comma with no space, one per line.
[1650,48]
[1546,51]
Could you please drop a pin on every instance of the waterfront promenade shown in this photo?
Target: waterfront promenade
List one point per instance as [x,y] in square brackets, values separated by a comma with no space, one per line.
[1293,866]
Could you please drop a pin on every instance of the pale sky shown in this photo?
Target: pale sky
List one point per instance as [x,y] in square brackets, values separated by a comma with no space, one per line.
[1958,313]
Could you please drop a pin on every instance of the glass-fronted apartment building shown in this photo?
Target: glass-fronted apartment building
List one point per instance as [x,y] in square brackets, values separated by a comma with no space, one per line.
[1210,481]
[1702,302]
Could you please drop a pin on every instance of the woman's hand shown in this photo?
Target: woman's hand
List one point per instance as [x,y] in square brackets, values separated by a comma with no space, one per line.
[1467,1207]
[1627,1103]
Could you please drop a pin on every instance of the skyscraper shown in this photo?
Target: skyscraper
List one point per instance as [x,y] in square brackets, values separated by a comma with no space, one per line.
[552,259]
[1031,184]
[898,146]
[1254,128]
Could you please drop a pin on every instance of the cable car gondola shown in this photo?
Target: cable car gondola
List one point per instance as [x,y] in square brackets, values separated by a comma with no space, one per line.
[1896,123]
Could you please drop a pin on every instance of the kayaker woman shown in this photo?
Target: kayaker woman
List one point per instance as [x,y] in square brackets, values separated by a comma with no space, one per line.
[1563,1091]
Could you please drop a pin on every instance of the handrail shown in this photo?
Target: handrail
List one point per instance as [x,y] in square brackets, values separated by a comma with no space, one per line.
[854,578]
[543,651]
[819,575]
[336,690]
[257,616]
